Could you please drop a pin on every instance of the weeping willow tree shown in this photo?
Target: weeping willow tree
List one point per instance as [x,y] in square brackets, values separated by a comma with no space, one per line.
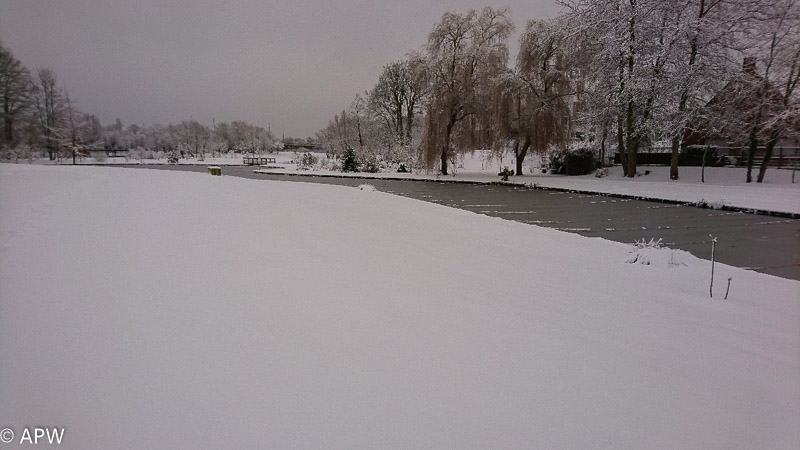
[531,107]
[464,57]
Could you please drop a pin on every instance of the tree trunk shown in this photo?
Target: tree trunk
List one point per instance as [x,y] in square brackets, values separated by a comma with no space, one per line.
[602,162]
[446,147]
[673,163]
[623,159]
[633,149]
[444,157]
[703,166]
[409,122]
[520,154]
[751,153]
[632,161]
[773,141]
[8,129]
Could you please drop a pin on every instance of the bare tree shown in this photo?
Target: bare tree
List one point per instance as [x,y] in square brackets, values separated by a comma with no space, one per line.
[74,123]
[778,103]
[707,29]
[16,92]
[463,57]
[395,98]
[50,109]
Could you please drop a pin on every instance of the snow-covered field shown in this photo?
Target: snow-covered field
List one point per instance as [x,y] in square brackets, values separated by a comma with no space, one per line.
[152,309]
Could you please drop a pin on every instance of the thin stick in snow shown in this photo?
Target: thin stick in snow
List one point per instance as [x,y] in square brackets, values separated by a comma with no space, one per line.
[729,287]
[711,287]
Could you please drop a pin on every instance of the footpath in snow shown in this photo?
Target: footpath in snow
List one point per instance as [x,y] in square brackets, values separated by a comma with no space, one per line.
[139,308]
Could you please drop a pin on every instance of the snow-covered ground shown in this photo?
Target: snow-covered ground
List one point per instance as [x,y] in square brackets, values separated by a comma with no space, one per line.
[151,309]
[723,186]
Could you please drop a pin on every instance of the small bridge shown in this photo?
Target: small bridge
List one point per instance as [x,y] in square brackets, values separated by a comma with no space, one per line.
[257,161]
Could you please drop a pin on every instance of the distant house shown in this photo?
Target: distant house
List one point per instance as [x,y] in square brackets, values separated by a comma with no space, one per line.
[732,138]
[300,145]
[109,152]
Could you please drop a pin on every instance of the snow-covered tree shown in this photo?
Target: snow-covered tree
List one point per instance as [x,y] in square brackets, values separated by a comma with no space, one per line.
[655,65]
[50,110]
[705,35]
[629,47]
[395,99]
[532,103]
[464,56]
[776,37]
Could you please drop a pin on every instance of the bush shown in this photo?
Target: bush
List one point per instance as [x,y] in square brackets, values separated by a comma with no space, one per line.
[557,164]
[693,156]
[173,157]
[573,162]
[307,161]
[349,162]
[371,165]
[579,162]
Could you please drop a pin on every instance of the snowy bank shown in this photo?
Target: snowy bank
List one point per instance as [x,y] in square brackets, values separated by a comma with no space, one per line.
[144,309]
[723,186]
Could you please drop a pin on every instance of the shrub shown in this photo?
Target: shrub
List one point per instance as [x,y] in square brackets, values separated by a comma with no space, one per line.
[307,161]
[654,253]
[349,162]
[173,157]
[371,165]
[557,164]
[579,162]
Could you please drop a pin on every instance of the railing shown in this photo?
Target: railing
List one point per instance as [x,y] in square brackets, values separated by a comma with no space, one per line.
[257,161]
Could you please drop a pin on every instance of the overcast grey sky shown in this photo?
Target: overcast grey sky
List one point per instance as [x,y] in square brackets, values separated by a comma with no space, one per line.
[288,64]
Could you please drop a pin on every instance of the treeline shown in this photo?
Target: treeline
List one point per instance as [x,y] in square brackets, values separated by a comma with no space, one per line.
[41,119]
[609,75]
